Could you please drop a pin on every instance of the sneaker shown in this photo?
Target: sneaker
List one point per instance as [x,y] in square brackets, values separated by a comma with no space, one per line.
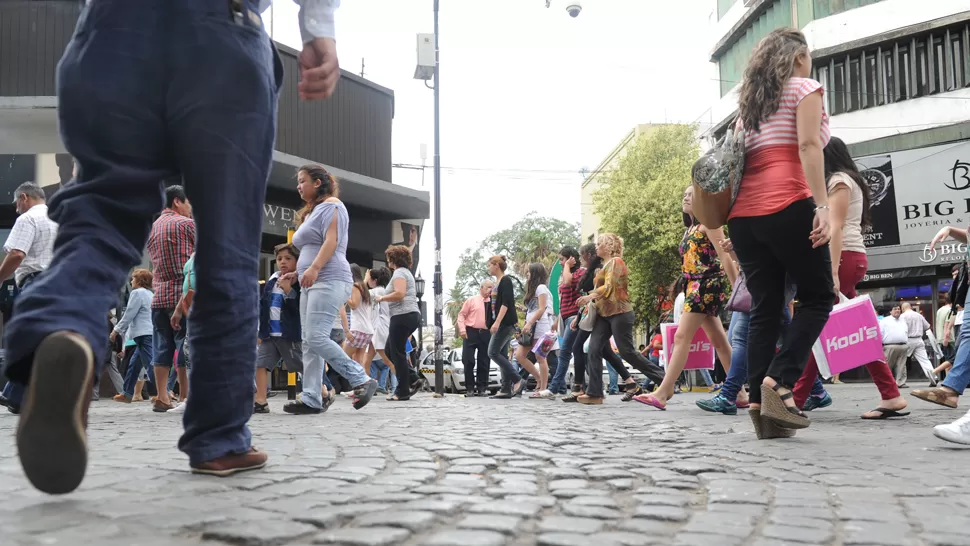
[718,404]
[52,432]
[178,407]
[233,463]
[814,402]
[957,432]
[260,408]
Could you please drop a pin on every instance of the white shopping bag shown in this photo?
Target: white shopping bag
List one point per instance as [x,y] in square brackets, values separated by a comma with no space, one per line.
[935,344]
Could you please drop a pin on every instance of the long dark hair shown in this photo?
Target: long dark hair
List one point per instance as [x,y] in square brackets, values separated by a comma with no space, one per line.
[328,188]
[593,262]
[537,275]
[838,160]
[358,276]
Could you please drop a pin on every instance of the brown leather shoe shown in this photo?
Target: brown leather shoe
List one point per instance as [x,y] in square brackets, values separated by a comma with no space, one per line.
[52,433]
[121,398]
[232,463]
[161,407]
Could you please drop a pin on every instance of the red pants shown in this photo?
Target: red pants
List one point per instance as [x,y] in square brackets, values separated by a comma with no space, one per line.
[852,268]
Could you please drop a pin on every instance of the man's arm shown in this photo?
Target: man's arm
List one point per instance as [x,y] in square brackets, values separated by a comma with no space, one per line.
[11,262]
[17,245]
[317,19]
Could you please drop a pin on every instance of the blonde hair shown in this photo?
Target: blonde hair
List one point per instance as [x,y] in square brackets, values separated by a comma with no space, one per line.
[612,241]
[769,69]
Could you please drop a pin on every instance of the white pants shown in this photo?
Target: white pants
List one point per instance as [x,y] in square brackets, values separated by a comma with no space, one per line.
[918,349]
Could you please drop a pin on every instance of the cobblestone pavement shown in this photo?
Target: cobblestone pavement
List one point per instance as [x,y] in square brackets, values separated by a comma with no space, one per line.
[472,472]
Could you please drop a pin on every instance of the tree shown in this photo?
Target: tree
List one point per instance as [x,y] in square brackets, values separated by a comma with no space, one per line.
[533,239]
[640,200]
[456,298]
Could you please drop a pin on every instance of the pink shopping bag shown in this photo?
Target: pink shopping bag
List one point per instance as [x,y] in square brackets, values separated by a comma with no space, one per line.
[701,355]
[851,338]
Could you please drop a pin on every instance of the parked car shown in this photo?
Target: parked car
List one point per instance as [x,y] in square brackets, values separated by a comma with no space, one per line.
[454,372]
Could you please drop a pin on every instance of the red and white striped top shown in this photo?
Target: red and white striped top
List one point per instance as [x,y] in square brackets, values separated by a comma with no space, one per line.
[779,129]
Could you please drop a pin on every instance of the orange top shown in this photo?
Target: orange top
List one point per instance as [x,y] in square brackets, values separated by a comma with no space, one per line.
[773,179]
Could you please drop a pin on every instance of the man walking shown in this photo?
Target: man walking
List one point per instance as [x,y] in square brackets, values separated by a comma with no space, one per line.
[170,245]
[916,327]
[149,90]
[29,248]
[472,329]
[895,344]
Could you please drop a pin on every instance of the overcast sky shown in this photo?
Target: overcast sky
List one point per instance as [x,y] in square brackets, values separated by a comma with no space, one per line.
[529,96]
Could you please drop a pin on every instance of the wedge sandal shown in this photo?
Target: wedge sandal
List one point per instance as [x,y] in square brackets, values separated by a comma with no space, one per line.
[773,408]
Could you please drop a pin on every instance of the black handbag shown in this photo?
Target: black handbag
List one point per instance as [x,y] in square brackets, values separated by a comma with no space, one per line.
[527,336]
[958,290]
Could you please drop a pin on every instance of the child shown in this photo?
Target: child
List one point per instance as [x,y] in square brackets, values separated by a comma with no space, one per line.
[181,310]
[365,310]
[280,336]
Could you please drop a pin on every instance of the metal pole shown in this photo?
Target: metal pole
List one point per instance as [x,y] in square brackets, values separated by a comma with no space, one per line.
[439,372]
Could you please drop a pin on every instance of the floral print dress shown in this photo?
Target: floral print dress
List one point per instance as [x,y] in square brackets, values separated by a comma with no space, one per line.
[706,282]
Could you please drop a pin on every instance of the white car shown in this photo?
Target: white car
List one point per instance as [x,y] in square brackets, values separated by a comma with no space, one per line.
[454,372]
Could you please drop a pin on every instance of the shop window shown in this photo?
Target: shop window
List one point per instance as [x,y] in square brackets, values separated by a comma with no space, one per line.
[920,296]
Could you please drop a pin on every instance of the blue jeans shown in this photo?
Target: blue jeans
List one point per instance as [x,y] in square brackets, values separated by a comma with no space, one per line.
[319,311]
[959,376]
[498,352]
[558,382]
[380,371]
[614,378]
[738,374]
[140,359]
[147,92]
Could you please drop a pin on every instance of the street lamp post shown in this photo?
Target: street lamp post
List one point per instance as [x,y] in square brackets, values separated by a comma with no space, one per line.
[419,292]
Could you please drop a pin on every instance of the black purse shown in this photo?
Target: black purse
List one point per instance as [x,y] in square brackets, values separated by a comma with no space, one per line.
[527,336]
[958,290]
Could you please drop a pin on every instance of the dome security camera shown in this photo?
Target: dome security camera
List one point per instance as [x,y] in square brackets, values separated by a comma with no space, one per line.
[574,9]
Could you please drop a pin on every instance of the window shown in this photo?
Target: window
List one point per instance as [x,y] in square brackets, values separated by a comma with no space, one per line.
[904,69]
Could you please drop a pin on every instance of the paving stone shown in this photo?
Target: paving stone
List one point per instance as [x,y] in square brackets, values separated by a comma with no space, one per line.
[875,512]
[431,505]
[800,522]
[693,468]
[662,513]
[567,484]
[946,539]
[507,508]
[623,484]
[697,539]
[490,522]
[812,513]
[254,533]
[571,493]
[543,501]
[800,534]
[370,536]
[467,469]
[876,533]
[591,511]
[555,473]
[625,538]
[466,538]
[412,520]
[607,474]
[606,502]
[575,525]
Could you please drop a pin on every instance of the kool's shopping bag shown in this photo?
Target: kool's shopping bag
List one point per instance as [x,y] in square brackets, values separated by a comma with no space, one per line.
[701,355]
[851,338]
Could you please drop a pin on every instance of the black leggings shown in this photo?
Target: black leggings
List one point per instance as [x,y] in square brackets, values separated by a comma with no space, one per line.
[579,360]
[398,332]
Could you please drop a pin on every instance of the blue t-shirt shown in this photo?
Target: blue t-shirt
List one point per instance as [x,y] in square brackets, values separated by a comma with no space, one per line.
[189,274]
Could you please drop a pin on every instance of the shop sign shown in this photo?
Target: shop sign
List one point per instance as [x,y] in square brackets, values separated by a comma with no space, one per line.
[917,192]
[944,253]
[277,219]
[906,273]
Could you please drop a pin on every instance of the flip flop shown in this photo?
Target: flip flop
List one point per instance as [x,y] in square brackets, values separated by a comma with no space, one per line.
[885,413]
[650,400]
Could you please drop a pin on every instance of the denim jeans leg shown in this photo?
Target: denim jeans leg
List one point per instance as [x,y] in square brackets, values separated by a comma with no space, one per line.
[323,301]
[498,351]
[738,373]
[558,382]
[614,378]
[706,376]
[14,392]
[959,376]
[223,143]
[141,358]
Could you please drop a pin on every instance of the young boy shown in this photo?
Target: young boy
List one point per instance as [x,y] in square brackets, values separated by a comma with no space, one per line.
[279,324]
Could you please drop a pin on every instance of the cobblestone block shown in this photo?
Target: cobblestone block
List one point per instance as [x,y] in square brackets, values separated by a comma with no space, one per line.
[370,536]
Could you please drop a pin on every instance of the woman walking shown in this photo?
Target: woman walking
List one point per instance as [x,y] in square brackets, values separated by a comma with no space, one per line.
[504,320]
[405,316]
[615,318]
[780,221]
[705,295]
[325,277]
[136,325]
[538,322]
[849,216]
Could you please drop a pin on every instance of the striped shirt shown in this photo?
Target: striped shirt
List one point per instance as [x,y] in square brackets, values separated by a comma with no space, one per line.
[170,245]
[773,174]
[780,129]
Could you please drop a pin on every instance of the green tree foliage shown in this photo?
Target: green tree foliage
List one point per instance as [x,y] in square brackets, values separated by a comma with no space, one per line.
[640,200]
[456,298]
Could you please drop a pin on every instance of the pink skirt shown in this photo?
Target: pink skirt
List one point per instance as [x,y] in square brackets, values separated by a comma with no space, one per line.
[360,340]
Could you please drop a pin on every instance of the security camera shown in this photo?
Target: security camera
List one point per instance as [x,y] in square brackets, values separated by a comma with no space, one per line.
[574,9]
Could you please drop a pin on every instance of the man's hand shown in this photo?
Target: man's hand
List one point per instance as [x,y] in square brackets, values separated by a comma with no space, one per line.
[463,334]
[176,321]
[113,336]
[319,69]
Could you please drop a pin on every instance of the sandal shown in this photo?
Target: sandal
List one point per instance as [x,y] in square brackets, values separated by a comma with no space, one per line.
[631,393]
[773,408]
[651,400]
[765,429]
[517,391]
[884,413]
[396,398]
[938,396]
[573,396]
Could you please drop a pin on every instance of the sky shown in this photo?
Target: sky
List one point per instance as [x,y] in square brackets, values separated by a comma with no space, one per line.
[529,96]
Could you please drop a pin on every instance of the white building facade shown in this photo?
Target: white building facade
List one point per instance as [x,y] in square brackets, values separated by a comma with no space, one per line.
[897,87]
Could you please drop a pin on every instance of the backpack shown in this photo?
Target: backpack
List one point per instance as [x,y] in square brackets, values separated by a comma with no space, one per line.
[716,178]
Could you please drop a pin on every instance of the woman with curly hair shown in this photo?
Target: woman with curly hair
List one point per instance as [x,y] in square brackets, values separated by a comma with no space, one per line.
[324,275]
[780,224]
[615,318]
[704,297]
[402,301]
[136,325]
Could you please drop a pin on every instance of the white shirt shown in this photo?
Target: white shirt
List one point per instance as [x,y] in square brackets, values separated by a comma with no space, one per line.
[894,331]
[959,320]
[33,234]
[916,325]
[679,307]
[365,316]
[316,17]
